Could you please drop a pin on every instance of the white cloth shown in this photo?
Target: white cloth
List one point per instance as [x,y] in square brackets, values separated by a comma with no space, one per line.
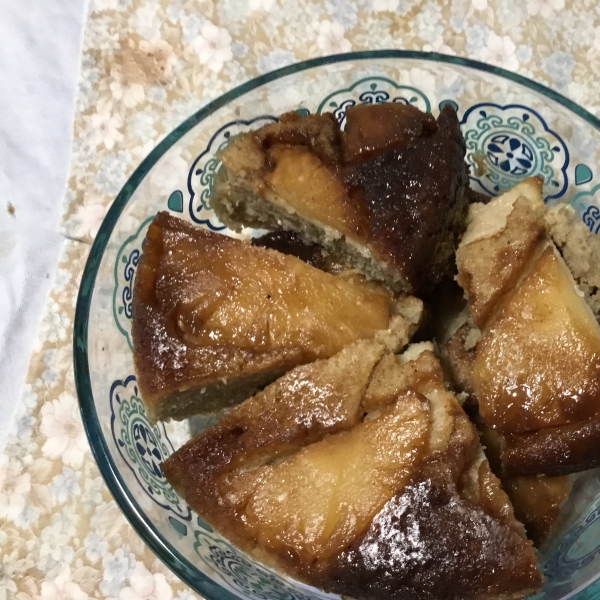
[40,50]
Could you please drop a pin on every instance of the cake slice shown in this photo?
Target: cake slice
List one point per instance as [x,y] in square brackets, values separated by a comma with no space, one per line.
[537,499]
[215,319]
[537,366]
[387,197]
[361,475]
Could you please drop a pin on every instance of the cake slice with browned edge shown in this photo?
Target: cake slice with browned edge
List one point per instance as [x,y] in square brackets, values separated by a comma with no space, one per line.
[536,373]
[537,499]
[361,475]
[215,319]
[387,196]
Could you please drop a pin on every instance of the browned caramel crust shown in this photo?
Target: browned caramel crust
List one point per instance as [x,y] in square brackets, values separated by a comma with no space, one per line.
[415,200]
[448,535]
[302,407]
[396,214]
[553,450]
[373,128]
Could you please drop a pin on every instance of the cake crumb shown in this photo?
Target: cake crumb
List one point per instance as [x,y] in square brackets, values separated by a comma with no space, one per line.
[10,209]
[580,249]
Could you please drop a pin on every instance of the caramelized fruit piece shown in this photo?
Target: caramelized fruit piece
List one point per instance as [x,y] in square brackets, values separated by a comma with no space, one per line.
[538,365]
[309,187]
[501,238]
[396,216]
[537,501]
[400,505]
[318,501]
[215,319]
[225,292]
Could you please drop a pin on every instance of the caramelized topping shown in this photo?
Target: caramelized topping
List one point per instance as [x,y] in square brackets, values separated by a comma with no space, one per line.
[430,543]
[537,501]
[415,202]
[316,503]
[221,291]
[372,128]
[308,186]
[538,365]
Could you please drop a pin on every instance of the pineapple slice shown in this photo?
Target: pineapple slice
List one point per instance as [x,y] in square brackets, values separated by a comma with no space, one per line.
[302,183]
[538,364]
[318,501]
[216,319]
[394,500]
[226,292]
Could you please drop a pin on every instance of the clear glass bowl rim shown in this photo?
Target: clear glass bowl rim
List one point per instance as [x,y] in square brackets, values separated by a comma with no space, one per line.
[163,549]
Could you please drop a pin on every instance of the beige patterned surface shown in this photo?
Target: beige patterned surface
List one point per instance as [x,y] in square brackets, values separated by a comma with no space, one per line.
[148,64]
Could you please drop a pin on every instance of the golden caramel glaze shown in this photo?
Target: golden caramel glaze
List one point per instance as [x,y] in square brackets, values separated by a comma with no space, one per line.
[208,308]
[489,268]
[373,128]
[394,502]
[415,200]
[537,501]
[538,364]
[299,409]
[450,534]
[315,503]
[247,153]
[301,181]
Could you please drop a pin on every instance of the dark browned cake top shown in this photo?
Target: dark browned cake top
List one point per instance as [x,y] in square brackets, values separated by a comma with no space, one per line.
[373,128]
[430,543]
[414,198]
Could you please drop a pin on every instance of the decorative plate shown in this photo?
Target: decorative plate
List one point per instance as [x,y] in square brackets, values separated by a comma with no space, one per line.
[513,128]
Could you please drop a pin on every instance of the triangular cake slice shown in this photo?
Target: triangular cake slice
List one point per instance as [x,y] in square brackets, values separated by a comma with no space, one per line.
[537,499]
[215,319]
[386,196]
[363,476]
[537,365]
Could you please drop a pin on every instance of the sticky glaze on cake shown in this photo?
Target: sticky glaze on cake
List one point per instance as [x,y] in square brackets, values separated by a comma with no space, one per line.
[536,372]
[214,318]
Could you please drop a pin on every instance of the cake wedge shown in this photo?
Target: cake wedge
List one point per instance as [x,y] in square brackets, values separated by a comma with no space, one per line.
[215,318]
[536,371]
[387,195]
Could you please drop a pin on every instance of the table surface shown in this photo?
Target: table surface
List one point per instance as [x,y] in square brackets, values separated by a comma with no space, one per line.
[145,66]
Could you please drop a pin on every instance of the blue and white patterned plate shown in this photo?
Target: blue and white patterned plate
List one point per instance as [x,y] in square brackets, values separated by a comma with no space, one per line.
[513,128]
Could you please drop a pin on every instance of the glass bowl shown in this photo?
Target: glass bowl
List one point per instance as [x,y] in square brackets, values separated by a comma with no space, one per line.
[518,127]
